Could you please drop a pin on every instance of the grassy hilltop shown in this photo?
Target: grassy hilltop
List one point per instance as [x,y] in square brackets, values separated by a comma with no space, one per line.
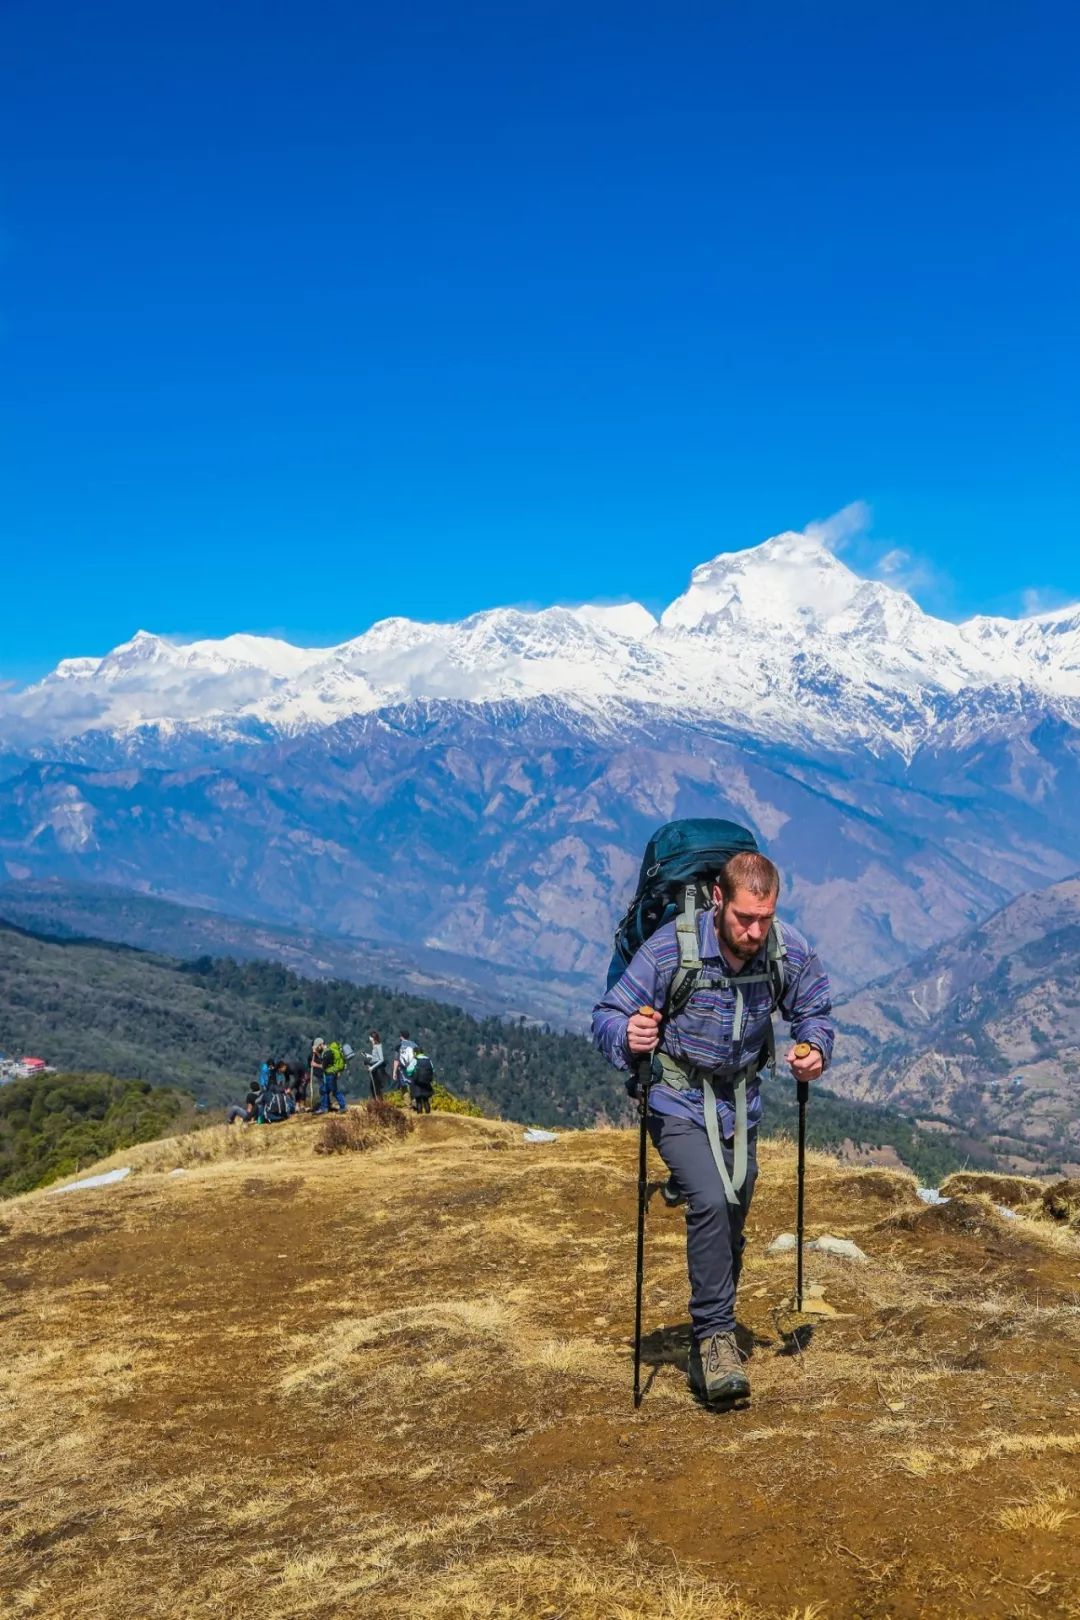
[286,1385]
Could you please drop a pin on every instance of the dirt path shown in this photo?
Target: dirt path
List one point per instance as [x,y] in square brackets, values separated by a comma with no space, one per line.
[399,1383]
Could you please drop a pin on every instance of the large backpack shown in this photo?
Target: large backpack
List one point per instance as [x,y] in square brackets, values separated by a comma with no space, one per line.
[275,1104]
[334,1059]
[680,865]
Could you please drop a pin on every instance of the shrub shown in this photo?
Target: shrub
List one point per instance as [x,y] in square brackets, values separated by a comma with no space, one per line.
[362,1128]
[442,1102]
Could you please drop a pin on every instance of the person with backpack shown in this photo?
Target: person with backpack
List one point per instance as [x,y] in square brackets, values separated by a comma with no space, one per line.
[403,1062]
[376,1064]
[333,1060]
[698,993]
[422,1082]
[277,1099]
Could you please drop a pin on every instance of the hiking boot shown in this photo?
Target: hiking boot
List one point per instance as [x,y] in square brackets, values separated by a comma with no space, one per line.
[670,1193]
[715,1371]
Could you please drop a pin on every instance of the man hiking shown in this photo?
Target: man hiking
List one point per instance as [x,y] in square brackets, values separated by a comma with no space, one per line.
[332,1060]
[713,1046]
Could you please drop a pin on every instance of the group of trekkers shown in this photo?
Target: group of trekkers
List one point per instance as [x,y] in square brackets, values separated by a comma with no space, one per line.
[701,966]
[281,1089]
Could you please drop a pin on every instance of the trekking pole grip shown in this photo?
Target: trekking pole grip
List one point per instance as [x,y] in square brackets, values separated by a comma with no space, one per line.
[641,1064]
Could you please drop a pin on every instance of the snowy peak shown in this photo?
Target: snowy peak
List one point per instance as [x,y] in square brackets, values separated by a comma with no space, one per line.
[792,582]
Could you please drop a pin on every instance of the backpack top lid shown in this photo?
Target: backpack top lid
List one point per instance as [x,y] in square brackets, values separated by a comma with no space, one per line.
[691,850]
[680,853]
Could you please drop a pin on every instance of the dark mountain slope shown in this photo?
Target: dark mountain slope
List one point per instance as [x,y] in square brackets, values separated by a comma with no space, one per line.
[984,1030]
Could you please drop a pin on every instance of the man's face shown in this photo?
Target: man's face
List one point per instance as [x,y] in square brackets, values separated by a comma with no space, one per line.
[743,922]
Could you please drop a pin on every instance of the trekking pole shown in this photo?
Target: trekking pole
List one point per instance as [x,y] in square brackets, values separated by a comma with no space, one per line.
[642,1068]
[802,1091]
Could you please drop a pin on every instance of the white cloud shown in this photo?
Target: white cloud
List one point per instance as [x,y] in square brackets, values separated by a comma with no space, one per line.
[842,528]
[1042,599]
[906,570]
[894,562]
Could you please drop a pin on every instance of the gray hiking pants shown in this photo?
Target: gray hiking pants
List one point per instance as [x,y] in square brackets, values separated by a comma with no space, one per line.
[714,1228]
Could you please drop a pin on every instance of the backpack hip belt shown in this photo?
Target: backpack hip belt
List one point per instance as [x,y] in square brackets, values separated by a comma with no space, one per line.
[683,1076]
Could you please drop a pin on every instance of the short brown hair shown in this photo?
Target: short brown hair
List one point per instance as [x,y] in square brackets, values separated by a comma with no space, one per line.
[751,871]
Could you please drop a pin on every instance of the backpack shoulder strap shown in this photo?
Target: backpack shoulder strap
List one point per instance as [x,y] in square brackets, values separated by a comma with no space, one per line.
[777,963]
[689,969]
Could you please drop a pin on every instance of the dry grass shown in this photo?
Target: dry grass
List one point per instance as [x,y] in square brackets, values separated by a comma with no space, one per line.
[1049,1512]
[1016,1192]
[375,1124]
[398,1381]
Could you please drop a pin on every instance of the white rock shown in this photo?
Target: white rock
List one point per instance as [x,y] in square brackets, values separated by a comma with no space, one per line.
[842,1247]
[930,1195]
[533,1134]
[782,1244]
[108,1178]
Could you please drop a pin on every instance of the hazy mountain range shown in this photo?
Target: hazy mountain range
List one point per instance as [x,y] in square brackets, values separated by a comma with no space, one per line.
[983,1031]
[484,789]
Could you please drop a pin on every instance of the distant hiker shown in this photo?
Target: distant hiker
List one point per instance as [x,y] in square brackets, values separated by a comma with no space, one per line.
[253,1101]
[277,1099]
[406,1057]
[716,1041]
[422,1082]
[315,1072]
[332,1062]
[285,1080]
[376,1064]
[301,1084]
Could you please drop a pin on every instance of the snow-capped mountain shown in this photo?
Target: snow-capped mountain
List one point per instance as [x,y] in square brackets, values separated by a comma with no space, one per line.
[781,642]
[485,788]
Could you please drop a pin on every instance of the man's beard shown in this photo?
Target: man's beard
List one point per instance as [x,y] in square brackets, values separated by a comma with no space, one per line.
[745,953]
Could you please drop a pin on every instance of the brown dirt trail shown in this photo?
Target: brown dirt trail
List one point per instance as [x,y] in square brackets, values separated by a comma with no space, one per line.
[399,1382]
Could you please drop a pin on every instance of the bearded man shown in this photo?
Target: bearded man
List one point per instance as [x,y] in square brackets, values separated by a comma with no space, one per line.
[705,1099]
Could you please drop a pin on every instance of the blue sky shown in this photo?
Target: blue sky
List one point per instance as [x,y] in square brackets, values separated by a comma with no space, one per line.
[313,314]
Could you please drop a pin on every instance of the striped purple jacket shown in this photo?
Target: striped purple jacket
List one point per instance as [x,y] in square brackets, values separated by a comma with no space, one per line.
[702,1031]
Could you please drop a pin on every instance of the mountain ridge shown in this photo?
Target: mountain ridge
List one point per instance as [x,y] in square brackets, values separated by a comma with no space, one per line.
[485,789]
[983,1030]
[837,658]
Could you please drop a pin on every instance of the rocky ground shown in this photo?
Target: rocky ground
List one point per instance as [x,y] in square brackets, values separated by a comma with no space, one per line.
[398,1382]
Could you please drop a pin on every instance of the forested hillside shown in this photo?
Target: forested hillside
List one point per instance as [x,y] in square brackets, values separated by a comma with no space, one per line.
[55,1124]
[204,1026]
